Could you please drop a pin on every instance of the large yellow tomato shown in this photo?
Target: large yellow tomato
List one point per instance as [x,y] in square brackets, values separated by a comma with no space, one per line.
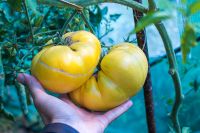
[123,73]
[63,68]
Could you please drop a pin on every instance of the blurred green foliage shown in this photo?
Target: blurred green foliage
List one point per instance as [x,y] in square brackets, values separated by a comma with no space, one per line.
[187,9]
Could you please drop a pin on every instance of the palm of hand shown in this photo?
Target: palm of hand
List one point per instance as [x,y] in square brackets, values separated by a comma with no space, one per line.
[62,110]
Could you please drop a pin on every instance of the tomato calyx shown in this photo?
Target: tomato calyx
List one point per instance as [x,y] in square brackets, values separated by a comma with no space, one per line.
[68,41]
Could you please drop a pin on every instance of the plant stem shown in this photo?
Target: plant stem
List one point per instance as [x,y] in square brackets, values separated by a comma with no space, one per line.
[152,5]
[172,70]
[47,32]
[175,76]
[86,21]
[67,22]
[29,20]
[77,7]
[160,58]
[84,3]
[141,40]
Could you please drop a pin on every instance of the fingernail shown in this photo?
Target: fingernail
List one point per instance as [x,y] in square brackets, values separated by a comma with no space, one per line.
[130,103]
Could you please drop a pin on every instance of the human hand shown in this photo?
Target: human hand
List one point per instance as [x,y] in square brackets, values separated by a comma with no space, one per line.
[62,110]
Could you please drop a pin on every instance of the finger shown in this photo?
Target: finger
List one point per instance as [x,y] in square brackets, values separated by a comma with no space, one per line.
[116,112]
[32,83]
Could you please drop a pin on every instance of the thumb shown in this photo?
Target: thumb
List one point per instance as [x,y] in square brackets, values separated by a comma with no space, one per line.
[116,112]
[35,87]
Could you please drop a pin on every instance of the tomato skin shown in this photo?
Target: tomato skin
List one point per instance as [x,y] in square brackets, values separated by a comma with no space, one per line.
[63,68]
[69,69]
[123,73]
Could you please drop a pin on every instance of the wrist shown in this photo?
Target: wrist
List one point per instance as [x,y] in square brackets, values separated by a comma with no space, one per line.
[66,122]
[58,128]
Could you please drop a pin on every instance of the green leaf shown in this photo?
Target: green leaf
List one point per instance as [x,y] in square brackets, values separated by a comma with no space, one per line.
[22,97]
[104,11]
[183,1]
[194,7]
[7,12]
[7,114]
[151,18]
[114,17]
[15,4]
[32,4]
[188,40]
[2,18]
[37,20]
[95,16]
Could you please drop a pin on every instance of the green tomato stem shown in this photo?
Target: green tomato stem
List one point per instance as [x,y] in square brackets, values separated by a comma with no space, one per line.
[29,20]
[175,76]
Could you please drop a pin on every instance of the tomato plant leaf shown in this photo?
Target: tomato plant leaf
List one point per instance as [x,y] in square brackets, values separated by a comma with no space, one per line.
[104,11]
[95,17]
[186,130]
[7,114]
[15,4]
[151,18]
[32,4]
[188,40]
[194,7]
[114,17]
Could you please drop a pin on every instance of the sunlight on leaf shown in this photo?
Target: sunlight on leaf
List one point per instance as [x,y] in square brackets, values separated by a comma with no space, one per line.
[188,40]
[186,130]
[194,7]
[152,18]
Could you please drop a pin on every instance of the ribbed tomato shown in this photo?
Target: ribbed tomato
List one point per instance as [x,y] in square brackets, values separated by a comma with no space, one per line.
[123,73]
[69,69]
[63,68]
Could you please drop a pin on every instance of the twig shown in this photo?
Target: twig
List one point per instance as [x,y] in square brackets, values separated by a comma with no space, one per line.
[29,53]
[67,22]
[142,42]
[84,3]
[26,55]
[172,70]
[29,20]
[86,21]
[160,58]
[77,7]
[152,5]
[47,32]
[175,76]
[106,33]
